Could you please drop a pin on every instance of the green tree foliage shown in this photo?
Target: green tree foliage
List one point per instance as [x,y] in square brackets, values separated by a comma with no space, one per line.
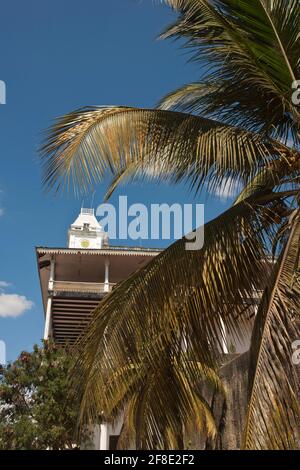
[35,412]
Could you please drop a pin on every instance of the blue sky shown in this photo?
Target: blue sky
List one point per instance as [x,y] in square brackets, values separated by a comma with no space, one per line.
[57,56]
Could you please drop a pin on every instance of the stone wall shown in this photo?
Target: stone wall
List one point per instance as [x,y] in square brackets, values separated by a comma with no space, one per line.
[230,412]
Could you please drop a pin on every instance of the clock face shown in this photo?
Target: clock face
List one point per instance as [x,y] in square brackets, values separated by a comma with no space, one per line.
[85,243]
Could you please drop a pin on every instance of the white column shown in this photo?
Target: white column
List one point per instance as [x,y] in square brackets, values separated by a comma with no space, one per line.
[48,320]
[51,278]
[104,437]
[47,330]
[106,275]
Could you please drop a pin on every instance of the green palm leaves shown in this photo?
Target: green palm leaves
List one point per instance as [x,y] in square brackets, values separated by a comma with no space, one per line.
[249,52]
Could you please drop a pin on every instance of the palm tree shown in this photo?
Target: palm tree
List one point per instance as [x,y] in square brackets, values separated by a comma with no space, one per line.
[238,122]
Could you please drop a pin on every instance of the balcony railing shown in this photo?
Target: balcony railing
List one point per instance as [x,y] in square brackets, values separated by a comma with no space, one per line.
[83,287]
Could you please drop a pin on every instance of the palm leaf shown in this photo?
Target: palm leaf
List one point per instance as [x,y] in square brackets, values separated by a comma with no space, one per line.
[274,385]
[166,398]
[249,53]
[85,145]
[178,296]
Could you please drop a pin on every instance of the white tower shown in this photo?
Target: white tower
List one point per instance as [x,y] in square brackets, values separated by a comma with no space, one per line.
[86,232]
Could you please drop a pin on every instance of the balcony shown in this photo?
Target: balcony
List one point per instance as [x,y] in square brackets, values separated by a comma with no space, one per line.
[69,287]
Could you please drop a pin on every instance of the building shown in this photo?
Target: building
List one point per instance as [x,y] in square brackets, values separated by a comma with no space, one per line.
[74,279]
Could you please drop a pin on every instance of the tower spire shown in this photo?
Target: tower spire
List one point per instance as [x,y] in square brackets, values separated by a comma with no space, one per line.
[86,232]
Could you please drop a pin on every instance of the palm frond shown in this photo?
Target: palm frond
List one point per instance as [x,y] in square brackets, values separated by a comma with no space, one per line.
[191,98]
[165,398]
[249,52]
[274,381]
[84,146]
[172,305]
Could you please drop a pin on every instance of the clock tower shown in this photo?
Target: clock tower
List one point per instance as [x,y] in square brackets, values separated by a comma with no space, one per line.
[86,232]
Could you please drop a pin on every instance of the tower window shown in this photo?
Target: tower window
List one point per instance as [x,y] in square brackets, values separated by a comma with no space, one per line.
[86,227]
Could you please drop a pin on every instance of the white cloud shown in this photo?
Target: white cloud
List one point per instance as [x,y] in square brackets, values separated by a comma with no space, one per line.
[228,188]
[4,284]
[13,305]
